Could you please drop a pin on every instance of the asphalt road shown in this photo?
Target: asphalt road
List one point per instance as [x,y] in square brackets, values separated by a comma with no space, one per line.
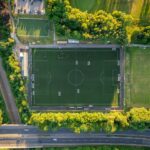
[22,136]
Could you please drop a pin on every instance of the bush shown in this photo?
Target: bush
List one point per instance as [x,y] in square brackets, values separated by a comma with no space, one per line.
[99,25]
[139,118]
[141,36]
[1,118]
[136,118]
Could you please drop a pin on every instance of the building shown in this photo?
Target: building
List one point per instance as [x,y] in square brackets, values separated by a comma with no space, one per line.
[33,7]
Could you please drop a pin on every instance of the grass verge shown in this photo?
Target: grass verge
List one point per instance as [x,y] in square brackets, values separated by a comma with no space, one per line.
[137,77]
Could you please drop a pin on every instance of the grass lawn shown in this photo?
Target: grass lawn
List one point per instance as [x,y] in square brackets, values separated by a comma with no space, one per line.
[74,77]
[139,9]
[138,77]
[32,27]
[35,30]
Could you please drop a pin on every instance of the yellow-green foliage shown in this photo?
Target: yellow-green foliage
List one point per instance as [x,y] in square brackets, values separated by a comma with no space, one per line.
[141,36]
[90,25]
[1,118]
[138,118]
[15,75]
[18,86]
[83,121]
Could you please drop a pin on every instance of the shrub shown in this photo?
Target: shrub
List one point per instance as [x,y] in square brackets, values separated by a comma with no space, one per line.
[99,25]
[141,36]
[136,118]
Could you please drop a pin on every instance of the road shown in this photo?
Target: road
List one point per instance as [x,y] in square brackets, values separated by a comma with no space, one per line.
[22,136]
[8,97]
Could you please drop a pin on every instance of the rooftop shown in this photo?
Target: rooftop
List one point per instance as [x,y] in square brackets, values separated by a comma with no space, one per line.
[33,7]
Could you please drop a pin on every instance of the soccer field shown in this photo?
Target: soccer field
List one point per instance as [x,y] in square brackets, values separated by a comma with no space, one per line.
[137,8]
[75,77]
[32,27]
[138,77]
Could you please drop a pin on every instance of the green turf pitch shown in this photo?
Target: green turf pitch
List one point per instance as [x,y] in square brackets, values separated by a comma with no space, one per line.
[75,77]
[138,77]
[32,27]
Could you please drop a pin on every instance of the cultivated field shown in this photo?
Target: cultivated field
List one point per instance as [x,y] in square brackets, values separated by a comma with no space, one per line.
[75,77]
[138,77]
[139,9]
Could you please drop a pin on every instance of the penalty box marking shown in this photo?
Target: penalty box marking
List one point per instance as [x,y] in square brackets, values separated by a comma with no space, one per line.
[60,93]
[88,63]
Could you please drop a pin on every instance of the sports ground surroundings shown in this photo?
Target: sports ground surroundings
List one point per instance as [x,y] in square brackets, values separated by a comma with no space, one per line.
[139,9]
[137,77]
[75,76]
[36,30]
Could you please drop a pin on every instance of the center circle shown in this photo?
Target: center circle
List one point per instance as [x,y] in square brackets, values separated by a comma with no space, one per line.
[75,77]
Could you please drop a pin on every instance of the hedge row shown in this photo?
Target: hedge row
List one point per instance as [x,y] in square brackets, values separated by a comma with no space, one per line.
[136,118]
[1,118]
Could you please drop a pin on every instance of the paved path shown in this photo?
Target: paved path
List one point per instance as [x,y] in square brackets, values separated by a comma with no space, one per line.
[75,46]
[13,34]
[139,45]
[22,136]
[11,18]
[8,97]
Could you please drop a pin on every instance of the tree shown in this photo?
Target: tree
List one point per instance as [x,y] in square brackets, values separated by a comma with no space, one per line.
[96,121]
[1,118]
[139,118]
[141,36]
[98,25]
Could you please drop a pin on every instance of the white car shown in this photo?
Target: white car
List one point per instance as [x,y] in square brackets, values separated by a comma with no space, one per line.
[55,139]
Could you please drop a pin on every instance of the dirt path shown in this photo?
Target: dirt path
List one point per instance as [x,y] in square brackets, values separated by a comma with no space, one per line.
[8,97]
[13,25]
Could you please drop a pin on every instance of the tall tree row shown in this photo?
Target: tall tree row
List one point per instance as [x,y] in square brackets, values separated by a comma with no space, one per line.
[98,25]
